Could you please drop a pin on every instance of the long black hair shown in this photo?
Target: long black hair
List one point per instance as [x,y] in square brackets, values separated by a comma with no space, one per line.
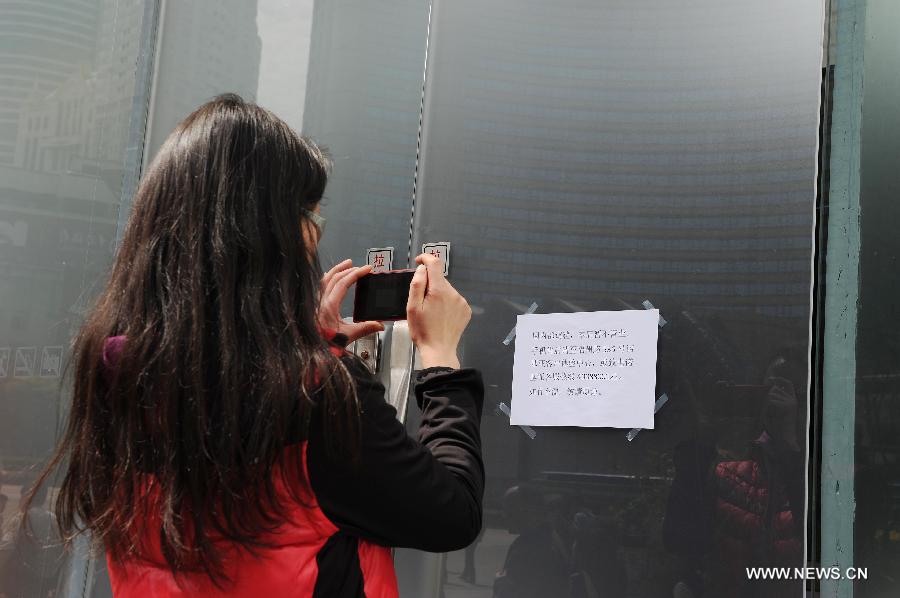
[215,291]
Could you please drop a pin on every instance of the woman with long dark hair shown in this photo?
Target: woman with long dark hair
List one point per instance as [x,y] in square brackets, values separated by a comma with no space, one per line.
[220,441]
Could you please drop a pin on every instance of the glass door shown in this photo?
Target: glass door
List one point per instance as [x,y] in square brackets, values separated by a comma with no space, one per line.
[585,156]
[73,104]
[578,156]
[347,73]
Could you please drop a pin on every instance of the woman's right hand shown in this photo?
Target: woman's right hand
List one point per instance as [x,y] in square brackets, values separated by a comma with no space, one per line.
[437,314]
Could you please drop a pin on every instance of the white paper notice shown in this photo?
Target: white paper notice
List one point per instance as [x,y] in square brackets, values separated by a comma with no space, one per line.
[588,369]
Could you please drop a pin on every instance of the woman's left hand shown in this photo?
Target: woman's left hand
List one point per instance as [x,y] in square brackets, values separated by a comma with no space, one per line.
[335,285]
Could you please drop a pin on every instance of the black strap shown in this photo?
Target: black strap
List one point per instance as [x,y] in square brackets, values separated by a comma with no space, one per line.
[340,574]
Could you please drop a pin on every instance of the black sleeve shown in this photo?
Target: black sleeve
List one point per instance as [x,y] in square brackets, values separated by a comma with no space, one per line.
[423,493]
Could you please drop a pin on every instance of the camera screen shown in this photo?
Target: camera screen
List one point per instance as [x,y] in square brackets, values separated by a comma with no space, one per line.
[382,296]
[387,298]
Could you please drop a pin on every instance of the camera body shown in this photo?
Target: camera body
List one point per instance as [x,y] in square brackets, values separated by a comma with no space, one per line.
[382,296]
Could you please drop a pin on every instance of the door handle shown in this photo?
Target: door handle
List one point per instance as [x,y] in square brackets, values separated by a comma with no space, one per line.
[368,349]
[401,368]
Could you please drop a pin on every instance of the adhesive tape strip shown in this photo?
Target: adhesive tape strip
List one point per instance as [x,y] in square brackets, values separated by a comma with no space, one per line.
[529,431]
[512,333]
[659,403]
[648,305]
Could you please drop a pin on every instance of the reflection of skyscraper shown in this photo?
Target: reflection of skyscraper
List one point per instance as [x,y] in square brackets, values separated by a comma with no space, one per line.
[73,109]
[118,39]
[207,47]
[63,189]
[590,156]
[285,29]
[591,150]
[80,122]
[72,67]
[45,42]
[363,96]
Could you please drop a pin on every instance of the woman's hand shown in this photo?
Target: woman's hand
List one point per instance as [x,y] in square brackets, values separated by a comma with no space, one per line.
[335,285]
[437,314]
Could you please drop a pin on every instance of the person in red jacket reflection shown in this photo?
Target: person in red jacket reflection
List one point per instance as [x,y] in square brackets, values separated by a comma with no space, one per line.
[220,440]
[726,516]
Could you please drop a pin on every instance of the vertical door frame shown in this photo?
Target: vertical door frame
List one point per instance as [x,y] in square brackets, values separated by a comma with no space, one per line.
[143,100]
[82,573]
[841,298]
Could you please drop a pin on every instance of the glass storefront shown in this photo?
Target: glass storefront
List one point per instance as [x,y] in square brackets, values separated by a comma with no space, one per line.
[72,106]
[593,157]
[578,156]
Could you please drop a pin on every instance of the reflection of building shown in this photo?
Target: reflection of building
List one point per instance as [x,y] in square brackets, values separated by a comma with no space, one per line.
[63,135]
[208,47]
[54,128]
[590,156]
[579,157]
[79,123]
[118,39]
[56,231]
[285,29]
[69,67]
[56,236]
[61,196]
[74,121]
[45,42]
[363,95]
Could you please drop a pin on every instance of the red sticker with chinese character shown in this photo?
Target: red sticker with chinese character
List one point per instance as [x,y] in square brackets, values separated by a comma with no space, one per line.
[441,251]
[380,258]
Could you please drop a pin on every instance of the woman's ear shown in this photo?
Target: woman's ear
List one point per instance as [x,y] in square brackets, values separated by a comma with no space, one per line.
[310,234]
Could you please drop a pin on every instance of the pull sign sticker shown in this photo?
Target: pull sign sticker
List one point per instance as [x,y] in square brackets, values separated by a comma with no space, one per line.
[439,250]
[380,258]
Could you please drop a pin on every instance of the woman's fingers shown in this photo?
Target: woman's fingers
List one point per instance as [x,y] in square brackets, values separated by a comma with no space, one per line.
[360,329]
[436,313]
[329,276]
[426,258]
[329,293]
[435,268]
[347,279]
[417,289]
[338,267]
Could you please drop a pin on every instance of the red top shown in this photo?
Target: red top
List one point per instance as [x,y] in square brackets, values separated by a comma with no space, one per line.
[423,493]
[287,568]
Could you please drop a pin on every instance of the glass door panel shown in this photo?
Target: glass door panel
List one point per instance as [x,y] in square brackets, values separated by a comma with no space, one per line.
[72,116]
[346,73]
[587,156]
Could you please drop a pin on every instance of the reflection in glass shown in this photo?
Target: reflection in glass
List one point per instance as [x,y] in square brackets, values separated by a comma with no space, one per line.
[877,429]
[590,156]
[207,47]
[346,73]
[68,83]
[363,98]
